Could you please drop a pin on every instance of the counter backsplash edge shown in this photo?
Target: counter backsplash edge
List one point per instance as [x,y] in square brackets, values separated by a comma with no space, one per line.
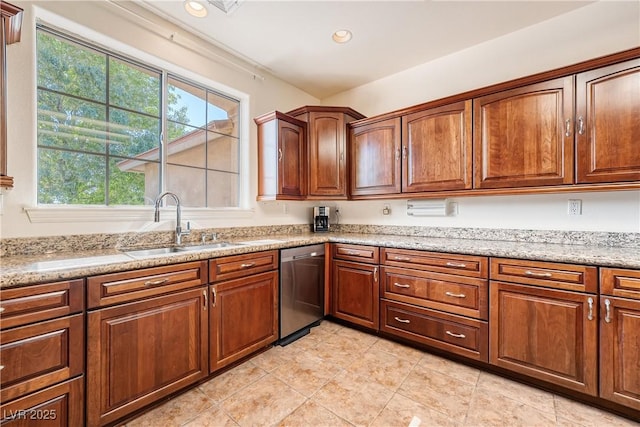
[87,242]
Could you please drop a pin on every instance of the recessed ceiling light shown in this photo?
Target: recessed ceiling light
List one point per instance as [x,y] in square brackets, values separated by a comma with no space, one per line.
[195,8]
[342,36]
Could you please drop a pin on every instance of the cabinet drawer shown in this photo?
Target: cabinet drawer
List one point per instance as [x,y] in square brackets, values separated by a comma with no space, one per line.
[232,267]
[357,253]
[464,265]
[570,277]
[620,282]
[60,405]
[116,288]
[29,304]
[40,355]
[456,294]
[456,334]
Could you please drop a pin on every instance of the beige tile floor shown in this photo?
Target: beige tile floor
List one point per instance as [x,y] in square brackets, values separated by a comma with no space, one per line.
[337,376]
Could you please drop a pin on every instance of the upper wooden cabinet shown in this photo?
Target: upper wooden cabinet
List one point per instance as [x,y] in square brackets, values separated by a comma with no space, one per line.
[282,157]
[523,137]
[327,149]
[375,158]
[436,149]
[608,124]
[10,30]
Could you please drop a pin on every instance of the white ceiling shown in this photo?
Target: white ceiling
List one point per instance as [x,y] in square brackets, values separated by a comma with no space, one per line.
[292,39]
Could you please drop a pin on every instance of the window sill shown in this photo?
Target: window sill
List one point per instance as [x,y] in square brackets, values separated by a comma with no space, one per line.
[68,214]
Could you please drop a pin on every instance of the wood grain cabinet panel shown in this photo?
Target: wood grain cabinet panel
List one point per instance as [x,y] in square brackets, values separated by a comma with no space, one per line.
[327,149]
[40,355]
[29,304]
[243,318]
[356,253]
[142,351]
[109,289]
[375,158]
[455,334]
[620,351]
[548,334]
[436,149]
[282,157]
[608,128]
[235,266]
[620,282]
[61,405]
[524,137]
[454,294]
[355,293]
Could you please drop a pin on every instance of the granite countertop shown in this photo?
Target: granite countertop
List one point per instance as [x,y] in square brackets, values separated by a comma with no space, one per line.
[29,269]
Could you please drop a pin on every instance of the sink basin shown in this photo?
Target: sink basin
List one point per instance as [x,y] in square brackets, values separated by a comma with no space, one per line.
[141,253]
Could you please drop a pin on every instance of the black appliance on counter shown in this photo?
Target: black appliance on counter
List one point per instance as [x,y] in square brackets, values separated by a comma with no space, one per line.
[321,218]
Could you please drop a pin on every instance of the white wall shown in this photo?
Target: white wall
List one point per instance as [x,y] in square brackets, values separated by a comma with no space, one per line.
[589,32]
[115,28]
[586,33]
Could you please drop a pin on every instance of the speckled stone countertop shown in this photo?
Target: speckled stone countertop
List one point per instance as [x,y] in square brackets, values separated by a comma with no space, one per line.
[37,268]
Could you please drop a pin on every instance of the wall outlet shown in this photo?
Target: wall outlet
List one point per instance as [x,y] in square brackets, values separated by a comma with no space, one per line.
[386,210]
[575,207]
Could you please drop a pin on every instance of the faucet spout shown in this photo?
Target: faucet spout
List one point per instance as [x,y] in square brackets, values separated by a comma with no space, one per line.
[156,215]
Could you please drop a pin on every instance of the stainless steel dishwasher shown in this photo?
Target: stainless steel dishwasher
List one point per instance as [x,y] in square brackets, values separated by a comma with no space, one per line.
[301,291]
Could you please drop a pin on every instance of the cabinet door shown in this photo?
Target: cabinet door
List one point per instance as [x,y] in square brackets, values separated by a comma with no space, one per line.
[291,160]
[375,158]
[356,293]
[327,152]
[523,137]
[547,334]
[142,351]
[608,128]
[244,317]
[436,149]
[620,351]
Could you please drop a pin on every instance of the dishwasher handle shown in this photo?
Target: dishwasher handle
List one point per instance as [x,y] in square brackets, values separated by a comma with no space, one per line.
[311,255]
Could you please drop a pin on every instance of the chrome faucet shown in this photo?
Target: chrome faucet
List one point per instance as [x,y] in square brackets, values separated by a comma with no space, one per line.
[156,216]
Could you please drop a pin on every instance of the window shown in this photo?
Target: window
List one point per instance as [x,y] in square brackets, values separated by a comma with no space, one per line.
[101,119]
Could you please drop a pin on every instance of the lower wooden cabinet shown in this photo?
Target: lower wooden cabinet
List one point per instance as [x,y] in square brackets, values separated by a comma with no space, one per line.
[40,355]
[620,351]
[243,318]
[141,351]
[548,334]
[456,334]
[59,405]
[355,293]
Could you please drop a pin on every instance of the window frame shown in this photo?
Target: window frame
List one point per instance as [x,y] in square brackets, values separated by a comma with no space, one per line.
[61,213]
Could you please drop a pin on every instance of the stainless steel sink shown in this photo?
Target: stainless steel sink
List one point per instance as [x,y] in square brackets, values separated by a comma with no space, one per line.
[141,253]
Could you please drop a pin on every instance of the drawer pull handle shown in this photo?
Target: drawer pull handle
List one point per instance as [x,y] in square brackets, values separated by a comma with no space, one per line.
[375,274]
[451,294]
[534,274]
[590,302]
[156,282]
[401,258]
[1,309]
[456,265]
[402,320]
[250,264]
[455,335]
[206,299]
[607,306]
[213,300]
[1,367]
[400,285]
